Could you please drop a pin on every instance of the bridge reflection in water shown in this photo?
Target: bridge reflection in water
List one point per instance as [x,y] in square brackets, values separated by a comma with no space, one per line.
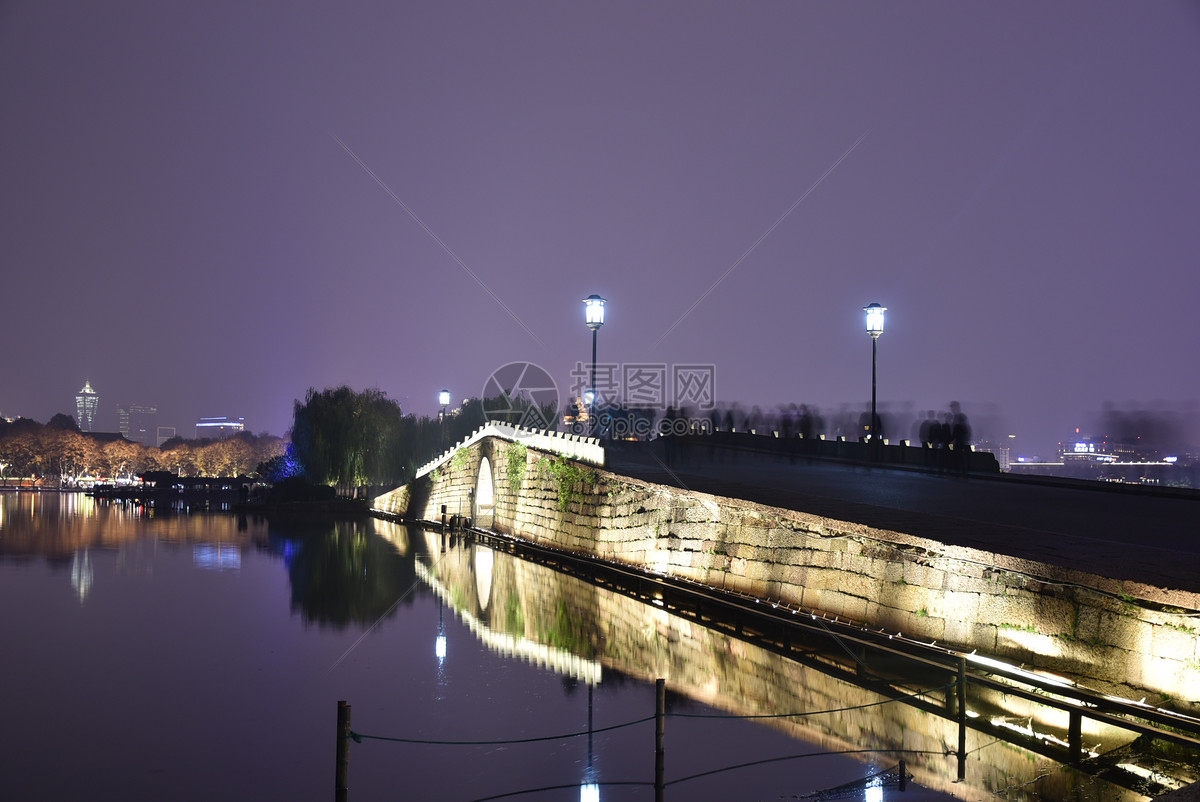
[844,695]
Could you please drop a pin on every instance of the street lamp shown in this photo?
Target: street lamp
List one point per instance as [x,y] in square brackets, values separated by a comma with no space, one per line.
[874,328]
[593,315]
[443,401]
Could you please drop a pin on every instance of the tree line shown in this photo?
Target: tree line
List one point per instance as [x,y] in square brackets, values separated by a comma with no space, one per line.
[59,452]
[352,439]
[340,437]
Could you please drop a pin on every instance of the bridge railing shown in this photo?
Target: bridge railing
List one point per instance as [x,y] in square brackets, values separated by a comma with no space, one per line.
[574,446]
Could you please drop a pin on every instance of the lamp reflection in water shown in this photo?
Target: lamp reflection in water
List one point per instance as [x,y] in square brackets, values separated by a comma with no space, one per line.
[874,790]
[439,650]
[589,790]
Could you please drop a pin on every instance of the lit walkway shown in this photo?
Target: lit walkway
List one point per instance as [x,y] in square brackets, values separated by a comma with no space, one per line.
[1110,530]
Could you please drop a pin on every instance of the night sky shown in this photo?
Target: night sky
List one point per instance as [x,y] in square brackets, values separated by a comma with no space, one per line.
[211,207]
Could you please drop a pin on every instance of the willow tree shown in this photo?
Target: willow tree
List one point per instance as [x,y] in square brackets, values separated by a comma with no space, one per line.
[348,439]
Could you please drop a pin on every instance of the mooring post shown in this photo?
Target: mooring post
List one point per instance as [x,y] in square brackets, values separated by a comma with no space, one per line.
[660,734]
[962,718]
[1075,736]
[903,775]
[341,775]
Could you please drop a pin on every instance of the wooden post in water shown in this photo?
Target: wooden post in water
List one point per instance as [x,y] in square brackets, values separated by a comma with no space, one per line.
[962,718]
[903,775]
[341,775]
[1075,737]
[660,734]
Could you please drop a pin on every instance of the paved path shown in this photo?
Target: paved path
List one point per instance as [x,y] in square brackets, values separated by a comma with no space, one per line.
[1114,531]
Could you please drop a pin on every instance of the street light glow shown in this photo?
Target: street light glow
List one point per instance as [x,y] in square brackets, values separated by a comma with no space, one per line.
[874,319]
[593,311]
[593,315]
[874,328]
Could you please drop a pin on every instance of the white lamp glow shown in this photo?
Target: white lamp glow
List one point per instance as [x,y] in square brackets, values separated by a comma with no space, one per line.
[874,319]
[593,311]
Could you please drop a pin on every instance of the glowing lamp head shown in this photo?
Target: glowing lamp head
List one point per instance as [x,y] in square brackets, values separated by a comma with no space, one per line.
[444,398]
[875,319]
[593,311]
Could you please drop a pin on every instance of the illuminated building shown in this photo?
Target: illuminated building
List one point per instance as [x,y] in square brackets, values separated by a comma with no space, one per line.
[86,403]
[218,428]
[137,423]
[1107,459]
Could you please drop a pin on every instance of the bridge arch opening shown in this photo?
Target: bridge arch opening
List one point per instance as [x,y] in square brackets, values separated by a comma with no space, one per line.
[485,496]
[484,560]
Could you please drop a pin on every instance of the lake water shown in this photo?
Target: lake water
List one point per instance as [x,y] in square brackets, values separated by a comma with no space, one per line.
[166,655]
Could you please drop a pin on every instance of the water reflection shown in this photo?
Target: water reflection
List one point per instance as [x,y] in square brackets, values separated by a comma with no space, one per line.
[56,526]
[364,576]
[217,556]
[81,574]
[238,690]
[843,699]
[342,574]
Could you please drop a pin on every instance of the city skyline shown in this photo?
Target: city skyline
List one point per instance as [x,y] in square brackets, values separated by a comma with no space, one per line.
[1154,432]
[217,208]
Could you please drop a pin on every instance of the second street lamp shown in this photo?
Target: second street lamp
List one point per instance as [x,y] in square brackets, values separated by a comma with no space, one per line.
[874,328]
[593,315]
[443,401]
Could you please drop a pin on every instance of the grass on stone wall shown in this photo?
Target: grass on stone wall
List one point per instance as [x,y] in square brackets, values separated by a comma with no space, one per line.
[1018,627]
[517,455]
[572,479]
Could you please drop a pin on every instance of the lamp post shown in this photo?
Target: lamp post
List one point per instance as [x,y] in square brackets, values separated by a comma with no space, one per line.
[443,401]
[593,315]
[874,328]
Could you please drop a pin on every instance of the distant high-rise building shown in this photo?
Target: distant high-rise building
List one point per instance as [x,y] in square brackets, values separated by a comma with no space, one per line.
[86,403]
[219,427]
[165,433]
[138,422]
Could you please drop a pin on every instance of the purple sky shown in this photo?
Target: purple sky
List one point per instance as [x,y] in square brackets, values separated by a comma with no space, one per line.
[195,212]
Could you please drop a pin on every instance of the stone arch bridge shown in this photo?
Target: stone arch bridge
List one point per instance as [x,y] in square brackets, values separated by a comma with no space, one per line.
[1051,575]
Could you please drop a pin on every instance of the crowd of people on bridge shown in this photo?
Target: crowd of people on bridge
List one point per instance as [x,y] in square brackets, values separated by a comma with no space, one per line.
[948,431]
